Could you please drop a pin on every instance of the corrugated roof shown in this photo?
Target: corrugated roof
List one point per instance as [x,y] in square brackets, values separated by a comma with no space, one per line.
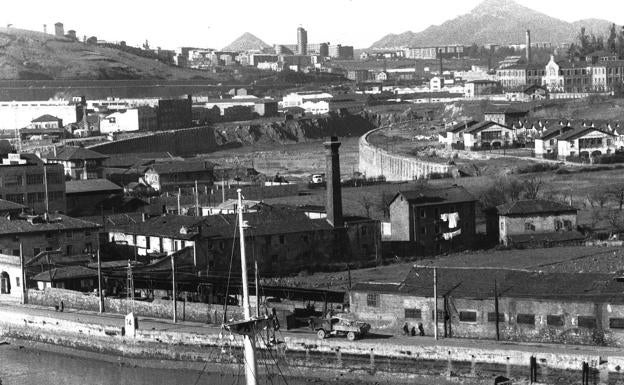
[479,284]
[65,273]
[91,185]
[77,153]
[534,206]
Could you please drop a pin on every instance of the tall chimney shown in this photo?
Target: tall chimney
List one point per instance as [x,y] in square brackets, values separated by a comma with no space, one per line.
[528,46]
[333,204]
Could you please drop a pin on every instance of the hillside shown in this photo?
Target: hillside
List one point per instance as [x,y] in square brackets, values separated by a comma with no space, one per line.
[495,22]
[246,42]
[34,55]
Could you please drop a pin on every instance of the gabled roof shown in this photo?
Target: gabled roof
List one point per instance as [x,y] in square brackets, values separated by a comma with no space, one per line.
[581,131]
[483,126]
[45,118]
[10,206]
[91,185]
[534,206]
[65,273]
[479,284]
[461,126]
[181,166]
[56,222]
[428,196]
[554,132]
[77,153]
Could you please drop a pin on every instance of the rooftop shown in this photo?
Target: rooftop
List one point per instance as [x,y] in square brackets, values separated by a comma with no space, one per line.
[484,125]
[65,273]
[91,185]
[45,118]
[56,222]
[581,131]
[534,206]
[77,153]
[427,196]
[10,206]
[181,166]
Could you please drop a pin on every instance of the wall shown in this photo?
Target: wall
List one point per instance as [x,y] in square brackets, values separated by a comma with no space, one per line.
[10,265]
[401,220]
[390,316]
[125,120]
[187,141]
[51,240]
[33,194]
[189,311]
[375,162]
[543,224]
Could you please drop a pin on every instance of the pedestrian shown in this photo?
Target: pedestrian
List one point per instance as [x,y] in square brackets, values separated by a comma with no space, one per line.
[413,331]
[406,329]
[62,306]
[421,329]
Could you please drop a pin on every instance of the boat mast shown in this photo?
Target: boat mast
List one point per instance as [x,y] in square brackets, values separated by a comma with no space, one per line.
[250,354]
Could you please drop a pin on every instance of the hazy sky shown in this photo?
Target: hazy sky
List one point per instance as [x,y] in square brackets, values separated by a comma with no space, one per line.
[214,24]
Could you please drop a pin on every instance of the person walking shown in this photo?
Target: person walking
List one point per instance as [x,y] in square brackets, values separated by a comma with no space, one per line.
[406,329]
[421,329]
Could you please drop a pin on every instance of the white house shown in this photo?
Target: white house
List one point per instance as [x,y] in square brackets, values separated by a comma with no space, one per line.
[455,134]
[436,83]
[586,143]
[488,135]
[546,143]
[313,102]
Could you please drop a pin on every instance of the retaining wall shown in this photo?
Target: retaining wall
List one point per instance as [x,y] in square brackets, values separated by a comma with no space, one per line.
[186,141]
[376,162]
[186,311]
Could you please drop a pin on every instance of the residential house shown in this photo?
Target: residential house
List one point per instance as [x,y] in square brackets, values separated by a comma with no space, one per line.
[10,276]
[487,135]
[77,278]
[46,121]
[312,102]
[586,143]
[537,222]
[87,196]
[454,136]
[477,88]
[546,142]
[504,114]
[519,76]
[79,162]
[54,232]
[500,304]
[433,220]
[165,176]
[27,180]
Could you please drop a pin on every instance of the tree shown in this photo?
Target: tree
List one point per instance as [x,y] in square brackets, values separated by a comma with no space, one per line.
[612,40]
[616,221]
[532,187]
[366,202]
[617,192]
[584,42]
[383,204]
[598,197]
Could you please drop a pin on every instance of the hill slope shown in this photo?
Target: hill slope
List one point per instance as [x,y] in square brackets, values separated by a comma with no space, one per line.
[495,22]
[34,55]
[247,42]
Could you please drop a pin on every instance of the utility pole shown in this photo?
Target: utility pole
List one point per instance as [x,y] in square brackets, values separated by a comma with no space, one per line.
[23,270]
[45,184]
[435,304]
[196,200]
[175,300]
[496,311]
[99,265]
[179,207]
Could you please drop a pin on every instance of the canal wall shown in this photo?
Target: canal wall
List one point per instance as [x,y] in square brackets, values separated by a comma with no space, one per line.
[376,162]
[405,353]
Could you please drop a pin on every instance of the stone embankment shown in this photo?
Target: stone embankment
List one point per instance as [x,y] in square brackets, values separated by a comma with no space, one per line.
[375,161]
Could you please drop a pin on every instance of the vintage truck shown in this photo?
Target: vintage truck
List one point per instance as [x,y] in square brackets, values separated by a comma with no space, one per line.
[339,324]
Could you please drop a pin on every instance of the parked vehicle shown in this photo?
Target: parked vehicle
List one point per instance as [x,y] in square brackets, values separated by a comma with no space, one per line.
[341,324]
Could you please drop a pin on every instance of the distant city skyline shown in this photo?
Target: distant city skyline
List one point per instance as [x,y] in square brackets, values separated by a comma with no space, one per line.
[210,24]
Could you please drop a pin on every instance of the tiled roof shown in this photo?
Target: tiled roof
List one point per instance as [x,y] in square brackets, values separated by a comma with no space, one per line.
[65,273]
[56,222]
[435,196]
[483,126]
[90,185]
[77,153]
[579,132]
[479,284]
[45,118]
[181,166]
[534,206]
[10,206]
[130,160]
[462,126]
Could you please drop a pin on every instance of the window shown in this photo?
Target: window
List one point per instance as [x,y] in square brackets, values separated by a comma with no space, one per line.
[468,316]
[69,234]
[281,239]
[554,320]
[616,323]
[363,230]
[558,225]
[89,246]
[567,224]
[421,213]
[17,281]
[13,180]
[69,249]
[55,178]
[525,319]
[492,317]
[588,322]
[16,252]
[423,230]
[413,313]
[372,300]
[529,226]
[274,258]
[34,179]
[304,238]
[15,198]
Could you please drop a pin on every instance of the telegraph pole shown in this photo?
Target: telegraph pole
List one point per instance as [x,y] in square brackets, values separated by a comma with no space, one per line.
[175,300]
[435,304]
[496,310]
[23,270]
[99,265]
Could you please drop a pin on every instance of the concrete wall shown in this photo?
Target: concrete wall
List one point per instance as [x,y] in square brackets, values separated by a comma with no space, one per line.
[542,223]
[189,311]
[11,272]
[187,141]
[401,220]
[389,315]
[375,162]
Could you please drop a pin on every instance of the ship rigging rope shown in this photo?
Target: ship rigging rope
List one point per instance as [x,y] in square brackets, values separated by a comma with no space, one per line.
[227,288]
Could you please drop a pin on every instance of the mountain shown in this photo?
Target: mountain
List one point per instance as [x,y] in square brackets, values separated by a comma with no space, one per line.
[495,22]
[32,55]
[246,42]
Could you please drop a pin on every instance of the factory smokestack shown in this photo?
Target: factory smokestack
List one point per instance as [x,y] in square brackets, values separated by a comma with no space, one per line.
[528,46]
[333,205]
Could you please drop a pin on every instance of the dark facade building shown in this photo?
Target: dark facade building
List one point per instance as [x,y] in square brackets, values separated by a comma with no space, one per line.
[302,41]
[169,176]
[433,220]
[173,114]
[86,197]
[79,163]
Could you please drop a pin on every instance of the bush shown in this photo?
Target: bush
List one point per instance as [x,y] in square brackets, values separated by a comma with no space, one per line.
[563,171]
[440,175]
[537,167]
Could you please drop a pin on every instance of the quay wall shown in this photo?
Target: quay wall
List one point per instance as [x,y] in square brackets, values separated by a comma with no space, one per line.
[178,345]
[375,162]
[158,308]
[186,141]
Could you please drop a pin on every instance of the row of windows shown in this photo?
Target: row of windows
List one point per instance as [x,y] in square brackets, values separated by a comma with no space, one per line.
[469,316]
[422,212]
[32,179]
[34,197]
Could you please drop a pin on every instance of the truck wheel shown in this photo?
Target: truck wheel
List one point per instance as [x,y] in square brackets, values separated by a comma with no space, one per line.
[321,334]
[351,336]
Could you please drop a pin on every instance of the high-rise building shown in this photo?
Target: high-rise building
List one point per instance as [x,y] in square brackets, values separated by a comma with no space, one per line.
[324,49]
[302,41]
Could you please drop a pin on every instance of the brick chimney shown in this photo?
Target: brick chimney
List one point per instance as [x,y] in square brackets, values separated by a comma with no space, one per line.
[528,46]
[333,204]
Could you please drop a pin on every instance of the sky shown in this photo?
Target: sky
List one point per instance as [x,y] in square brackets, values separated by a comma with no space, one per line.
[214,24]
